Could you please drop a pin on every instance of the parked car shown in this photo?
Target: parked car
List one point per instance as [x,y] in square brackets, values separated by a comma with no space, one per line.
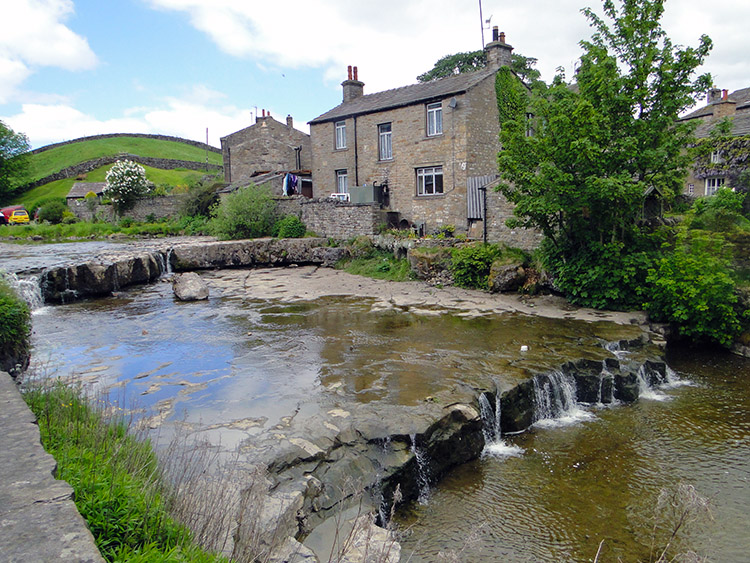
[18,216]
[3,219]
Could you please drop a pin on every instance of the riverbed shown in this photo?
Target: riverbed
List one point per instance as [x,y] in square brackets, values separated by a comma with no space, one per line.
[275,345]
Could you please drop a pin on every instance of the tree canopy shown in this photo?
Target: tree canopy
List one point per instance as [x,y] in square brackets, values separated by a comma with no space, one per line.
[460,63]
[13,161]
[599,145]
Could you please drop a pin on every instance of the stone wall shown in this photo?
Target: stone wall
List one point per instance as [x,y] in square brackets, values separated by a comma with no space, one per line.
[499,210]
[159,207]
[328,217]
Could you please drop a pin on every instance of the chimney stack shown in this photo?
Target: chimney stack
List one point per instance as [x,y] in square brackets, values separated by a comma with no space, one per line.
[353,88]
[725,95]
[264,113]
[714,95]
[498,52]
[289,122]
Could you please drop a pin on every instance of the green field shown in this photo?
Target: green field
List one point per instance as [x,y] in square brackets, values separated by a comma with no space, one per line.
[53,160]
[60,188]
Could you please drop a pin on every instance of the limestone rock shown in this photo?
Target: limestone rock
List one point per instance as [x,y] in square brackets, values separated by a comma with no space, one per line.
[189,287]
[506,277]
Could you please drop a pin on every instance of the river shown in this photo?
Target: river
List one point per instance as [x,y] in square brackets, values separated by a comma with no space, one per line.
[232,367]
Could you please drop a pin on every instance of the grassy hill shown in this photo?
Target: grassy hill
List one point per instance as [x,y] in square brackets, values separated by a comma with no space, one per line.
[42,163]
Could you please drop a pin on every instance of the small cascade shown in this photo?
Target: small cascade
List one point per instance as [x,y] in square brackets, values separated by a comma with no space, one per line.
[494,445]
[616,349]
[29,289]
[170,252]
[162,262]
[607,376]
[423,471]
[115,278]
[555,400]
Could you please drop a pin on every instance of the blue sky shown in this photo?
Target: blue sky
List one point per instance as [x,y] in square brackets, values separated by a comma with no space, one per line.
[70,68]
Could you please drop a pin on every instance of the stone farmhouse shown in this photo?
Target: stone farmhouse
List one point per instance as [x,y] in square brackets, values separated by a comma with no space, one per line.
[713,169]
[267,146]
[426,151]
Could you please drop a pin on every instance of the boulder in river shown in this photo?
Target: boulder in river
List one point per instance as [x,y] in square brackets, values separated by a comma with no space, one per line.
[189,287]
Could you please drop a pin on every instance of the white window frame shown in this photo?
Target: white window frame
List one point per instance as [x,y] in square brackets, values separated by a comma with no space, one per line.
[430,181]
[342,182]
[434,119]
[716,157]
[340,135]
[691,189]
[714,184]
[385,141]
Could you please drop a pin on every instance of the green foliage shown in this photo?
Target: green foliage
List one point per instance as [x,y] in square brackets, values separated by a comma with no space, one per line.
[116,479]
[52,212]
[290,226]
[41,202]
[247,213]
[13,161]
[15,323]
[727,199]
[201,198]
[126,182]
[460,63]
[721,212]
[511,96]
[691,287]
[471,264]
[581,177]
[377,264]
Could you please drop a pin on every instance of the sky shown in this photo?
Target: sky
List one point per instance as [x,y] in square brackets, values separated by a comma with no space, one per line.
[71,68]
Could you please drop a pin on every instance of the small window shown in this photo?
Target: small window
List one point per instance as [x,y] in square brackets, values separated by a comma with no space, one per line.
[430,181]
[434,119]
[716,157]
[342,182]
[385,147]
[341,134]
[713,185]
[691,189]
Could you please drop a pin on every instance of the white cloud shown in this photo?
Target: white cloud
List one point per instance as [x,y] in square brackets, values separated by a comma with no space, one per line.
[34,35]
[186,117]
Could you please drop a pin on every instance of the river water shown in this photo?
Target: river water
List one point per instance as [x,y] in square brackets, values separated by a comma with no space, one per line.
[232,367]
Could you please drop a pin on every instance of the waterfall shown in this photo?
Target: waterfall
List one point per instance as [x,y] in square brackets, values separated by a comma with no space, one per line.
[616,349]
[555,400]
[494,445]
[649,389]
[29,289]
[170,252]
[423,471]
[604,375]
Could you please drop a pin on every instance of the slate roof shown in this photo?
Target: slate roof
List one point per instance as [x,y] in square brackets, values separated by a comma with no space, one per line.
[740,125]
[80,189]
[740,97]
[405,96]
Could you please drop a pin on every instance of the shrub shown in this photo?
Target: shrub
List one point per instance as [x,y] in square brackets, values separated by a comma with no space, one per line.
[126,222]
[201,198]
[726,199]
[15,327]
[126,182]
[52,212]
[691,288]
[247,213]
[290,226]
[471,265]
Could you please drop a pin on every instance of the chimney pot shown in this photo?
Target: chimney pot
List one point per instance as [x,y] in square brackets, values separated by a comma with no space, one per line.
[264,113]
[502,37]
[355,73]
[289,121]
[494,33]
[349,72]
[725,95]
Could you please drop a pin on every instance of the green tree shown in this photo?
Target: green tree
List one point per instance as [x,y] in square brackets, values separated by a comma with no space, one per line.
[249,212]
[460,63]
[597,148]
[13,161]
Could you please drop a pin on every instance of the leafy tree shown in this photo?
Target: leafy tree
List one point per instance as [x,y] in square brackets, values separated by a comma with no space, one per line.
[596,149]
[126,182]
[247,213]
[460,63]
[13,160]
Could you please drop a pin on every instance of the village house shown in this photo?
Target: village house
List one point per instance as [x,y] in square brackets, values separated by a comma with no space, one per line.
[426,151]
[727,154]
[270,149]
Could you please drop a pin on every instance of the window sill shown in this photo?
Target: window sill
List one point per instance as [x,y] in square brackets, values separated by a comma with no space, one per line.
[429,196]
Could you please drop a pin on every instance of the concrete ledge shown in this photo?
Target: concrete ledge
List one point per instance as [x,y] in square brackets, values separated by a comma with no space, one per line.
[38,518]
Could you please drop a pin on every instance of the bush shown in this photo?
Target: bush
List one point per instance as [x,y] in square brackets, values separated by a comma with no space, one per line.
[471,265]
[53,212]
[691,288]
[15,327]
[247,213]
[201,198]
[126,182]
[290,226]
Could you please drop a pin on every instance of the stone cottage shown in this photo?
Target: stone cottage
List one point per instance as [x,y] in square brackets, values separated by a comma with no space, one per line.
[266,146]
[714,168]
[424,151]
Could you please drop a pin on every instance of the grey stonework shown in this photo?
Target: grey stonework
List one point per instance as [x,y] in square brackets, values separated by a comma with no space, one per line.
[268,145]
[158,207]
[38,518]
[327,217]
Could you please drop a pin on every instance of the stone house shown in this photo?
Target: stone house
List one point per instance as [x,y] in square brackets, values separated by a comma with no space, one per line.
[266,146]
[80,189]
[724,155]
[424,151]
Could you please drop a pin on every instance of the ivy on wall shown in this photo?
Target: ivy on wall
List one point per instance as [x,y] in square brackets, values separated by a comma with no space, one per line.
[734,155]
[511,96]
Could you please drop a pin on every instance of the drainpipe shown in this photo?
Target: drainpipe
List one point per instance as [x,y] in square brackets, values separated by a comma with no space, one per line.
[356,155]
[298,157]
[483,189]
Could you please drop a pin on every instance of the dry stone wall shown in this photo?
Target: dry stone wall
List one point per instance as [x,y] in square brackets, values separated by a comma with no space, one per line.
[147,207]
[327,217]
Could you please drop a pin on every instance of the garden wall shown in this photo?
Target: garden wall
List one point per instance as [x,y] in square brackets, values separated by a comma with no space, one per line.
[328,217]
[159,207]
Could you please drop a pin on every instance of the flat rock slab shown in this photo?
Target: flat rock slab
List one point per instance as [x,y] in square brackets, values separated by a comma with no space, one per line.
[38,518]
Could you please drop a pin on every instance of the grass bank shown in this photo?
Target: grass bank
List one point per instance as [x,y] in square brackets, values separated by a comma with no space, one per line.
[15,328]
[86,230]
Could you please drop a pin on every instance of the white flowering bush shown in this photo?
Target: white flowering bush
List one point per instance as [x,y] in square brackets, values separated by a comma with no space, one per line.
[126,182]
